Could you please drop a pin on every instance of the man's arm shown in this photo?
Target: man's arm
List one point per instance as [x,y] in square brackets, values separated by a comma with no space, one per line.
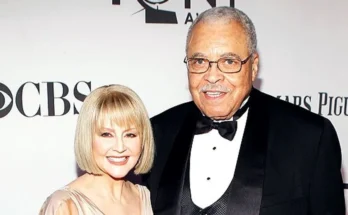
[326,188]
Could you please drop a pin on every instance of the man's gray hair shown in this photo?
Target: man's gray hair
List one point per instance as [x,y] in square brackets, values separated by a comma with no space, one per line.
[227,14]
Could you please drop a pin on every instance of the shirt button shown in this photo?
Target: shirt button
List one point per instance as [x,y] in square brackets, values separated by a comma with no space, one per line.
[208,178]
[214,148]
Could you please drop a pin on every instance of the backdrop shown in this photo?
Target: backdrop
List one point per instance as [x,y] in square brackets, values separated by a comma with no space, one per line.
[53,53]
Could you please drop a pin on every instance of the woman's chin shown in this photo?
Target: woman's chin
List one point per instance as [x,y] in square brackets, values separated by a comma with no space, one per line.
[119,173]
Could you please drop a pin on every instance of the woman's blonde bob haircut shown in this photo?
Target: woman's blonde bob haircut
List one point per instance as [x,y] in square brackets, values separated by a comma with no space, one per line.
[122,106]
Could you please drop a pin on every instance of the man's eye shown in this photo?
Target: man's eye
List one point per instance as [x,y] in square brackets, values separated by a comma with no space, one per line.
[105,134]
[229,61]
[198,61]
[131,135]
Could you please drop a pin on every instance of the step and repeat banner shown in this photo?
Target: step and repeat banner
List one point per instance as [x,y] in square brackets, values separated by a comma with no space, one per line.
[53,53]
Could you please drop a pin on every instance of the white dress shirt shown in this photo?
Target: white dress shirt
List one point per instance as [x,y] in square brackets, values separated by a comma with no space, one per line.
[212,164]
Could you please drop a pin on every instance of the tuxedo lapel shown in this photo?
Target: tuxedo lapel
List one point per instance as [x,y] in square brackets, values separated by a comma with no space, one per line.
[172,180]
[246,193]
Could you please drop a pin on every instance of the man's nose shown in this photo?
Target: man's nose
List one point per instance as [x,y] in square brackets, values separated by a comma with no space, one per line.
[213,75]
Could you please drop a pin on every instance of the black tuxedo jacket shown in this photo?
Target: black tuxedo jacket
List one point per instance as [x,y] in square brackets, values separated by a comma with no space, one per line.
[289,161]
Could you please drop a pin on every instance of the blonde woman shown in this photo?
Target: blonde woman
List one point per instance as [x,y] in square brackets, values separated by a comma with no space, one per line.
[113,137]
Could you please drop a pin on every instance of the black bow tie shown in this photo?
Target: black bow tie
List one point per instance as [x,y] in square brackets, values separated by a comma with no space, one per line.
[227,129]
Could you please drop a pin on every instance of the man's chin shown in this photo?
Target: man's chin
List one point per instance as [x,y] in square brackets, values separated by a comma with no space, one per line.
[217,115]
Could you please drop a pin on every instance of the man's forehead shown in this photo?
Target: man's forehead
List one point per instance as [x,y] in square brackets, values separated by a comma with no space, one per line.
[216,32]
[213,45]
[218,25]
[218,38]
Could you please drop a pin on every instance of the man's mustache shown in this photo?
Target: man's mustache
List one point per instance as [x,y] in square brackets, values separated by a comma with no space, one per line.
[214,87]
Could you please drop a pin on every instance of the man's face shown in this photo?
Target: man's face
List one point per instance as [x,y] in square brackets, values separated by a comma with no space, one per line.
[226,91]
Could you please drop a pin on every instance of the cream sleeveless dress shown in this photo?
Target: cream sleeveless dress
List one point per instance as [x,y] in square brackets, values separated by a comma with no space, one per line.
[84,205]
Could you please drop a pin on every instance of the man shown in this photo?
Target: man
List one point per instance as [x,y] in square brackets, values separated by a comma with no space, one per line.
[235,150]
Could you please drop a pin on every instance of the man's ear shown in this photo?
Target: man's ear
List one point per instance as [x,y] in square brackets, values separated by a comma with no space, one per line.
[255,66]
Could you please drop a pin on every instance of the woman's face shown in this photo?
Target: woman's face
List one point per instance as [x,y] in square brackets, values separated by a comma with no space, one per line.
[116,150]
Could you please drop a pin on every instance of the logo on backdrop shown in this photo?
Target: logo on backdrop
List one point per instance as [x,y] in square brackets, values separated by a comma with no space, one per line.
[322,104]
[43,99]
[154,13]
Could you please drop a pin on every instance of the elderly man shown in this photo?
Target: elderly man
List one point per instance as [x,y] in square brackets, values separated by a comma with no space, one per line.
[235,150]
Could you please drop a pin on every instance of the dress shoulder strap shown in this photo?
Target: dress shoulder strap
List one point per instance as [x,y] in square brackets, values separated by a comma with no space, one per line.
[145,200]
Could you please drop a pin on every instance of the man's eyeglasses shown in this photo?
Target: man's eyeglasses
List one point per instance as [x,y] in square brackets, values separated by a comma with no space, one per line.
[226,65]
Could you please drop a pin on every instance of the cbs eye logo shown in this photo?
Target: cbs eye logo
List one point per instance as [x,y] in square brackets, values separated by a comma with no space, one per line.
[6,100]
[159,16]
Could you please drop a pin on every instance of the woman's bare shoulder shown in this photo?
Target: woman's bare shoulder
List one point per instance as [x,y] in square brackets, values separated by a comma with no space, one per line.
[59,203]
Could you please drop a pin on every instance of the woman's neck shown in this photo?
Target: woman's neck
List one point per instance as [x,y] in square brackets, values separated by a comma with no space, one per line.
[106,186]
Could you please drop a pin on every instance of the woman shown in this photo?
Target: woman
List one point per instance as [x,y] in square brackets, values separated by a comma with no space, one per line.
[113,136]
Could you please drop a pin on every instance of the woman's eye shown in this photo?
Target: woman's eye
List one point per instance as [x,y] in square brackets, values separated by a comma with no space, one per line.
[131,135]
[105,134]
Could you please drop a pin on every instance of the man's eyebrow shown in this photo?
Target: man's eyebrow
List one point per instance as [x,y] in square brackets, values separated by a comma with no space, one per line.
[198,55]
[230,54]
[227,54]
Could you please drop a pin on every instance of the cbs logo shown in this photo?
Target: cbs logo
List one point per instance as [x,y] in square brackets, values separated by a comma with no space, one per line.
[54,94]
